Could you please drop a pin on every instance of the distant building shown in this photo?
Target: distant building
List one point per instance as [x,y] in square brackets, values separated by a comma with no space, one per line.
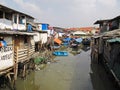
[87,30]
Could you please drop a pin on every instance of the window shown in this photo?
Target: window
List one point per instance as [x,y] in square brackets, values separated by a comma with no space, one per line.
[15,18]
[21,20]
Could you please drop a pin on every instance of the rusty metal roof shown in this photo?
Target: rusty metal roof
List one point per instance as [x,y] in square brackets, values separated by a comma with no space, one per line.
[101,21]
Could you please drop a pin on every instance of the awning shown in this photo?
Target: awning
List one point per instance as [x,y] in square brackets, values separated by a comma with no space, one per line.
[79,33]
[113,40]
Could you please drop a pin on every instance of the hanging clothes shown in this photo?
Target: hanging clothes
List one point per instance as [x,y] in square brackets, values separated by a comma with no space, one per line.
[3,43]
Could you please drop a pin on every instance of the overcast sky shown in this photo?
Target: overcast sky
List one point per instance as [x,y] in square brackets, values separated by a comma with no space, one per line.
[67,13]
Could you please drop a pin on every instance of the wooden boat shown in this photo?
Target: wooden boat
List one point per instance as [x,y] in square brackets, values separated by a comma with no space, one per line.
[74,45]
[60,53]
[55,47]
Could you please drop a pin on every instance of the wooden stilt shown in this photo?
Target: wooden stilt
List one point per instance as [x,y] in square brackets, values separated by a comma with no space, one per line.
[16,64]
[24,71]
[15,71]
[11,80]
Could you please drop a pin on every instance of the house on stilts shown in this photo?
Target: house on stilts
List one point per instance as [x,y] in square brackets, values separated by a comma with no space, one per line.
[17,44]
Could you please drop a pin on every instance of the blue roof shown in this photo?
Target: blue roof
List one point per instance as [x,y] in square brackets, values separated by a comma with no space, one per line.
[79,40]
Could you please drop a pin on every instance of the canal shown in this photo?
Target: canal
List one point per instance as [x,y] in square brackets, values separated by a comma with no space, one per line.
[72,72]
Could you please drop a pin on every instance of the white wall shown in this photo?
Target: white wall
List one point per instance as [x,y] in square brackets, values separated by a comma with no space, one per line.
[36,37]
[40,37]
[6,54]
[5,24]
[19,27]
[43,37]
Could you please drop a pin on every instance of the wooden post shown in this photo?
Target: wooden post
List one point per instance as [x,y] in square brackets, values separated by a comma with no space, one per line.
[24,71]
[28,51]
[16,64]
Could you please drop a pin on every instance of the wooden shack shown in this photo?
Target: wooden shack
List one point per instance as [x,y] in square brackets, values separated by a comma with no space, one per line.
[15,48]
[106,49]
[95,51]
[17,44]
[109,46]
[111,52]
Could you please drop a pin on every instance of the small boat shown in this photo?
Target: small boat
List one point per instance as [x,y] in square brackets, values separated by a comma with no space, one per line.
[55,47]
[74,45]
[60,53]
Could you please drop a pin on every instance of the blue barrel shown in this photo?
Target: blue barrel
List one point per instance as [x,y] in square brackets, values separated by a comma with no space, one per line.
[44,26]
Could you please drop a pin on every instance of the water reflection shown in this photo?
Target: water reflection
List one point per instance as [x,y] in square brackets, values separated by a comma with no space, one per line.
[79,49]
[29,83]
[75,51]
[81,79]
[99,78]
[85,48]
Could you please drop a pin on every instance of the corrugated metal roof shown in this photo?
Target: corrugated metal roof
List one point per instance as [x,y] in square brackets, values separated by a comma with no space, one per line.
[113,40]
[112,33]
[101,21]
[16,32]
[10,10]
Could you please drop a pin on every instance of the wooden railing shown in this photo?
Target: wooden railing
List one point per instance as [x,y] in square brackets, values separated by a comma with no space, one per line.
[21,55]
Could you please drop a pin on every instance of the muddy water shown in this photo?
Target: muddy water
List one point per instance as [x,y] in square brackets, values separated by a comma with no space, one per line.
[68,73]
[73,72]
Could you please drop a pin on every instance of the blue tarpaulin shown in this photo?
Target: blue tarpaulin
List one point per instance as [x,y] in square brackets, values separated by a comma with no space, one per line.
[79,40]
[29,28]
[66,39]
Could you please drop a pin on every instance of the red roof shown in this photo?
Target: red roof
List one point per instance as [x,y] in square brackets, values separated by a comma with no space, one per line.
[82,29]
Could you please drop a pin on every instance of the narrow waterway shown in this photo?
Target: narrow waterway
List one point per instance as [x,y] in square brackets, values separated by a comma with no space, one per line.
[73,72]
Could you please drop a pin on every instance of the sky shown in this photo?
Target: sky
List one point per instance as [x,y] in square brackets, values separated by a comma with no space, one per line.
[67,13]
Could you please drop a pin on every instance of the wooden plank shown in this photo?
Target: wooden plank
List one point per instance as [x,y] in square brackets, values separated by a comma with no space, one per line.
[23,55]
[22,58]
[22,50]
[5,70]
[20,53]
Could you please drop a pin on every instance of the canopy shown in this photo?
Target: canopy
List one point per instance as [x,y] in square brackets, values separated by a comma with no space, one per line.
[114,40]
[57,41]
[66,39]
[79,40]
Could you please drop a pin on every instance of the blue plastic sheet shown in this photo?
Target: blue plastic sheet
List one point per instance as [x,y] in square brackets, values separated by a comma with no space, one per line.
[79,40]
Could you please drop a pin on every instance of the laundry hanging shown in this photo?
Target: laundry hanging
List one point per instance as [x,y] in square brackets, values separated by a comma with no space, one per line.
[3,43]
